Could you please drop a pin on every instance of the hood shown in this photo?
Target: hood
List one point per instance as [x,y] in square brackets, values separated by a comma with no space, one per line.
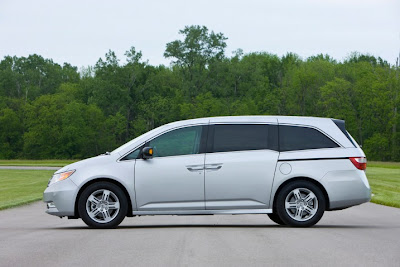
[98,160]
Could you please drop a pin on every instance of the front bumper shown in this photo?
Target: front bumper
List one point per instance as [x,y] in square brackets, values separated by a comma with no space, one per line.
[60,198]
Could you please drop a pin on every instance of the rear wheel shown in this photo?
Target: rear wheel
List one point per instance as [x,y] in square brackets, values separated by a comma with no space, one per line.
[103,205]
[301,204]
[275,218]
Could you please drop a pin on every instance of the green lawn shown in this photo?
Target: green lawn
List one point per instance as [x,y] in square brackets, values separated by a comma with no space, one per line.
[47,163]
[19,187]
[380,164]
[384,178]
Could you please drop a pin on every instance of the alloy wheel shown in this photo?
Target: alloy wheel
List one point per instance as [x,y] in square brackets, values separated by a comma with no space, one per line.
[102,206]
[301,204]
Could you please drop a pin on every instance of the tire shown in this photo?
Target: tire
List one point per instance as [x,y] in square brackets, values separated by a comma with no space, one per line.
[103,205]
[275,218]
[300,204]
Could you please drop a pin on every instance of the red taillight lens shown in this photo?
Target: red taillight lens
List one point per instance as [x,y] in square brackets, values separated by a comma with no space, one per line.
[359,162]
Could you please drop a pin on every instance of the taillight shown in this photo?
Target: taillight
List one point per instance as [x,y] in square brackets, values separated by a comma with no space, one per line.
[359,162]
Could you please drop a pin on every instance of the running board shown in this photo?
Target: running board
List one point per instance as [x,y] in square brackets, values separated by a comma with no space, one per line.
[201,212]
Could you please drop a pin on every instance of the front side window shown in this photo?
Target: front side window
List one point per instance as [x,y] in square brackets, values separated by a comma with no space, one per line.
[300,138]
[184,141]
[133,155]
[240,137]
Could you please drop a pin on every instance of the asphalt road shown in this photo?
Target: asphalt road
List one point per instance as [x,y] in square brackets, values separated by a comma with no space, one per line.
[366,235]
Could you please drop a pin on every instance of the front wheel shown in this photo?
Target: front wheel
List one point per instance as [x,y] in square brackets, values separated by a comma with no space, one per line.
[301,204]
[103,205]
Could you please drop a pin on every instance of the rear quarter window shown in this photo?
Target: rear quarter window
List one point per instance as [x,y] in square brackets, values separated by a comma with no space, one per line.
[301,138]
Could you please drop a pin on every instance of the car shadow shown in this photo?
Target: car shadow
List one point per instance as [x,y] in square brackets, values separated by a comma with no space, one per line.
[250,226]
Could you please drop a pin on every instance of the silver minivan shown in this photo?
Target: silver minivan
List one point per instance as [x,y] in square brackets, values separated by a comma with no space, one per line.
[291,168]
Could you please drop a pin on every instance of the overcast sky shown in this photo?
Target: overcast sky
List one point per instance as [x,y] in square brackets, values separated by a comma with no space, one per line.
[79,32]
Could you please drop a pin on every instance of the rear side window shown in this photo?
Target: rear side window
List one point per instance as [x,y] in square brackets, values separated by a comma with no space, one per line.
[239,137]
[300,138]
[341,125]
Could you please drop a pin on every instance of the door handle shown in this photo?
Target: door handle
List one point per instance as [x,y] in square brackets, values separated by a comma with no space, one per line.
[213,167]
[195,168]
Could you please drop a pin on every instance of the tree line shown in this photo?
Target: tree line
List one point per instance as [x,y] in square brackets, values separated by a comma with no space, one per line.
[52,111]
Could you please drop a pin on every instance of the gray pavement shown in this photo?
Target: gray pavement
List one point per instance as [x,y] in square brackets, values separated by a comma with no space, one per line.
[366,235]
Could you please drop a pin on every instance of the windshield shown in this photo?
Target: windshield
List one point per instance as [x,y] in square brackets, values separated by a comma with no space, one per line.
[130,143]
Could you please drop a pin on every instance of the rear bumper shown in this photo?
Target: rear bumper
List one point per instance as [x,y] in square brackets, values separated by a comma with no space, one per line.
[346,188]
[60,198]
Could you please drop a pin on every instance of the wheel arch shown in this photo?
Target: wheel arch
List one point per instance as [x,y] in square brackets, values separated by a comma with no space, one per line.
[96,180]
[301,178]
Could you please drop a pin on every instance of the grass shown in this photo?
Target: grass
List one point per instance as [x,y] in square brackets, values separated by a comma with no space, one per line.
[380,164]
[384,178]
[18,187]
[47,163]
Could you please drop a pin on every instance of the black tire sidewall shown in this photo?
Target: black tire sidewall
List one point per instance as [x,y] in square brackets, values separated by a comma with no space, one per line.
[280,203]
[97,186]
[275,218]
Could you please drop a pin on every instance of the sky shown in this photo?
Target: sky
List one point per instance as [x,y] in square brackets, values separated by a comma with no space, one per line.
[80,32]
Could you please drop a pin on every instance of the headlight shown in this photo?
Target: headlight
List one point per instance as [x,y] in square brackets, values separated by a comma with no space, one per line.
[60,176]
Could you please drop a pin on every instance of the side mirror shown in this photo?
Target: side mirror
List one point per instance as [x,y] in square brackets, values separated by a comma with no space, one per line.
[147,152]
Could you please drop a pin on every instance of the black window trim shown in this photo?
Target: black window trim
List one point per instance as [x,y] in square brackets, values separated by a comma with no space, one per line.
[341,124]
[310,127]
[210,137]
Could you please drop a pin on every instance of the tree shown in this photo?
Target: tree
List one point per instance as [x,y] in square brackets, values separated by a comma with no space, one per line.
[194,54]
[49,110]
[10,134]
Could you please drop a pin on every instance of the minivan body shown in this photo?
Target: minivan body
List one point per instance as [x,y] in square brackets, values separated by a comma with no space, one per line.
[291,168]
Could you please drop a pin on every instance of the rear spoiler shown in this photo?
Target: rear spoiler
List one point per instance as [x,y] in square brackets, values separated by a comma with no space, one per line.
[341,125]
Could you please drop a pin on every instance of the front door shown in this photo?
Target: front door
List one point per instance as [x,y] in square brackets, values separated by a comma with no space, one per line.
[174,178]
[240,167]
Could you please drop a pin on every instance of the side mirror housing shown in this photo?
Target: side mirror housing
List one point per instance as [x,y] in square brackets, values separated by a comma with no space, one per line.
[147,152]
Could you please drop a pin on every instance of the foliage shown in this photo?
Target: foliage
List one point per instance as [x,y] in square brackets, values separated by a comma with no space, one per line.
[52,111]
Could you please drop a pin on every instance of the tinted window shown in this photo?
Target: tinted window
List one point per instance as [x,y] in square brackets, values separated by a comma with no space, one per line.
[299,138]
[244,137]
[133,155]
[184,141]
[341,125]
